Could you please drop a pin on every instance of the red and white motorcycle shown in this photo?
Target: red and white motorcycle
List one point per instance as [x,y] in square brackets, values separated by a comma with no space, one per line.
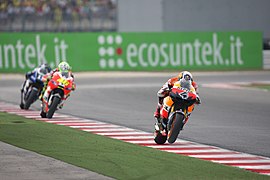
[59,88]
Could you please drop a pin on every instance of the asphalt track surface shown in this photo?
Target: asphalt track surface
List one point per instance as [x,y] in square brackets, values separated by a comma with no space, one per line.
[20,164]
[230,118]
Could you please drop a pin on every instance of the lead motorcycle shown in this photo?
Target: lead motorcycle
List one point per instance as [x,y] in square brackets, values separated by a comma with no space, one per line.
[32,88]
[60,87]
[175,107]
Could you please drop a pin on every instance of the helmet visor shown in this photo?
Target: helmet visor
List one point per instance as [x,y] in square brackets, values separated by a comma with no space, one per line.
[42,71]
[187,77]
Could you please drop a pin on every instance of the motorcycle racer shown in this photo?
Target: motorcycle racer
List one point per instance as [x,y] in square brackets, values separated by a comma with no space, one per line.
[183,80]
[42,69]
[65,69]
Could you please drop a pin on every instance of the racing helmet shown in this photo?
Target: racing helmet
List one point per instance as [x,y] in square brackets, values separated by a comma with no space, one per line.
[44,69]
[186,75]
[185,79]
[64,68]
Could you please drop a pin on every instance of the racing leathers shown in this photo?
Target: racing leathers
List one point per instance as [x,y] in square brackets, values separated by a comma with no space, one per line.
[165,90]
[46,91]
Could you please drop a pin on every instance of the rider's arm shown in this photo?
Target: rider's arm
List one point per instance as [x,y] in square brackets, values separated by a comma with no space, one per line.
[48,76]
[29,73]
[165,89]
[194,90]
[195,85]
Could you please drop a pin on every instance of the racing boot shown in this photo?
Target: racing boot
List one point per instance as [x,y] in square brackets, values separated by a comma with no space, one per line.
[160,127]
[61,105]
[21,105]
[43,113]
[46,96]
[164,126]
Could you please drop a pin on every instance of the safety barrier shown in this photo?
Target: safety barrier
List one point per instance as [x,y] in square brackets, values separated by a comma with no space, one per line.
[266,59]
[20,52]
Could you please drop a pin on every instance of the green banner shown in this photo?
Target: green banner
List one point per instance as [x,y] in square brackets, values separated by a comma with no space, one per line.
[20,52]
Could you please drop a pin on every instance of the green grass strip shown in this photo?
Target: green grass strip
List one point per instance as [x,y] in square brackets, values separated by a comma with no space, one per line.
[266,87]
[108,156]
[260,86]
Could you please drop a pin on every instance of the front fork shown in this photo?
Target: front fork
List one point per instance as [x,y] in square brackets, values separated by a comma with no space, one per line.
[166,122]
[173,116]
[24,90]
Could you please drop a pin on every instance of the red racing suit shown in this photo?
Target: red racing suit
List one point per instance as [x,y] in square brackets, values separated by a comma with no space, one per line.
[46,78]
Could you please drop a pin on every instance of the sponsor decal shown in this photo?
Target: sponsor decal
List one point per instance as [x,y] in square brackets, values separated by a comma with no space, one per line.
[213,51]
[29,55]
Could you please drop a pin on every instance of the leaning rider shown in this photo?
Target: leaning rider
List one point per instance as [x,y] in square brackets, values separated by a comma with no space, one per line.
[184,80]
[42,69]
[65,69]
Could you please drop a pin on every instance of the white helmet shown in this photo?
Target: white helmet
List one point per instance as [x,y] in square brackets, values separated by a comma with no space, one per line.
[186,75]
[185,79]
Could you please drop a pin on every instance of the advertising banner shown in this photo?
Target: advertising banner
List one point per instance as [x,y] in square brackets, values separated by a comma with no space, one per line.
[20,52]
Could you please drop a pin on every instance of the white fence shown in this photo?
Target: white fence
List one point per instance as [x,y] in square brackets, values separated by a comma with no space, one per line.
[266,59]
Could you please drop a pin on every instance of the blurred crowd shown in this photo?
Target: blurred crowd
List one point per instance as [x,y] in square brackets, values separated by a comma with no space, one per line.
[58,15]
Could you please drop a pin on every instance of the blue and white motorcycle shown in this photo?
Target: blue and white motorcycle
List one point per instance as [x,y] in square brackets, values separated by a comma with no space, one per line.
[32,86]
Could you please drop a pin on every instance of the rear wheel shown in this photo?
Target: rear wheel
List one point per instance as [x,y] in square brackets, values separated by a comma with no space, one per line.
[175,128]
[55,101]
[31,98]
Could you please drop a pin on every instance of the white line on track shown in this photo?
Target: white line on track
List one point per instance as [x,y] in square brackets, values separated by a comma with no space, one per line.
[222,156]
[133,137]
[194,151]
[255,167]
[80,124]
[70,121]
[96,127]
[121,133]
[177,146]
[241,161]
[106,130]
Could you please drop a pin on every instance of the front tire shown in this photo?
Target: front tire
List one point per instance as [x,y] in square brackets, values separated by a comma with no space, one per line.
[176,127]
[55,101]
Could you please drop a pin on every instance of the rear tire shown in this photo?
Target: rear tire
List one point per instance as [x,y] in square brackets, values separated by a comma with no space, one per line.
[176,127]
[55,101]
[31,98]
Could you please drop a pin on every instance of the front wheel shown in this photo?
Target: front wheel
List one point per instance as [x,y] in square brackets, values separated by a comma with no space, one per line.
[55,101]
[175,128]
